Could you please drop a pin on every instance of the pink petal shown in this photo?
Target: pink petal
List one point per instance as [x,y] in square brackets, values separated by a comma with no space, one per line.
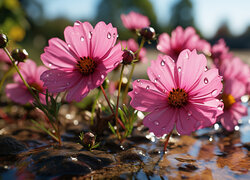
[57,54]
[238,110]
[78,91]
[205,112]
[78,38]
[112,59]
[209,85]
[28,70]
[146,97]
[164,43]
[58,80]
[228,121]
[18,93]
[161,121]
[190,68]
[103,38]
[185,123]
[97,78]
[235,88]
[162,73]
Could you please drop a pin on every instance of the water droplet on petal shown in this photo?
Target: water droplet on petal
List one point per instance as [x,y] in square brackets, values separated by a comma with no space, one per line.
[136,92]
[155,80]
[220,107]
[109,35]
[69,45]
[77,23]
[82,39]
[90,34]
[156,123]
[205,80]
[179,69]
[164,90]
[50,65]
[116,63]
[138,80]
[159,75]
[147,87]
[162,62]
[205,69]
[189,113]
[214,92]
[114,35]
[102,76]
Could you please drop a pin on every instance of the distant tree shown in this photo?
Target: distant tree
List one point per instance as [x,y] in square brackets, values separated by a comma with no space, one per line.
[182,14]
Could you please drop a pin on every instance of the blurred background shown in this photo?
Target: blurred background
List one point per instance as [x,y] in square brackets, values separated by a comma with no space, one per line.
[30,23]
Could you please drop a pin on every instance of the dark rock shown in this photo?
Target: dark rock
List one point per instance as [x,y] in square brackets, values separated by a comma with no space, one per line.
[10,146]
[187,167]
[132,155]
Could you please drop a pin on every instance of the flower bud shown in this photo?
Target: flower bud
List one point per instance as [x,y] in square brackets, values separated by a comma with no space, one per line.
[19,55]
[89,139]
[128,56]
[148,33]
[3,40]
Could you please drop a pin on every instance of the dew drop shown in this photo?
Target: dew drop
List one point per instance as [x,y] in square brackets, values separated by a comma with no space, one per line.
[109,35]
[164,90]
[159,75]
[179,69]
[162,62]
[138,80]
[147,87]
[136,92]
[155,80]
[214,92]
[114,35]
[156,123]
[205,69]
[189,113]
[50,65]
[82,39]
[69,45]
[205,80]
[77,23]
[102,76]
[116,63]
[220,107]
[90,34]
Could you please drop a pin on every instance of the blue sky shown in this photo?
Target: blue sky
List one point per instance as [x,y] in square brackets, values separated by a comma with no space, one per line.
[209,14]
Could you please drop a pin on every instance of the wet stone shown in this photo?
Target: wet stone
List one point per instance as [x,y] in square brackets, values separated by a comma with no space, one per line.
[132,155]
[187,167]
[10,146]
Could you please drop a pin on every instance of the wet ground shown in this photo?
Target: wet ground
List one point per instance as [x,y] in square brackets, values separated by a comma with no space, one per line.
[211,153]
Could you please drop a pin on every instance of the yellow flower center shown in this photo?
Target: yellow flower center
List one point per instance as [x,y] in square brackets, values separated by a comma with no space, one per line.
[228,100]
[177,98]
[86,65]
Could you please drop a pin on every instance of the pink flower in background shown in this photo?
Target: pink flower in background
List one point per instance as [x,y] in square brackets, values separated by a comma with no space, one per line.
[182,39]
[4,57]
[18,92]
[83,61]
[180,94]
[133,21]
[132,45]
[220,52]
[236,69]
[233,109]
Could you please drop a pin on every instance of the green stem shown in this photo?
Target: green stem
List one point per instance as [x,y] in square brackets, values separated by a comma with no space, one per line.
[93,107]
[6,74]
[119,89]
[51,118]
[116,117]
[125,94]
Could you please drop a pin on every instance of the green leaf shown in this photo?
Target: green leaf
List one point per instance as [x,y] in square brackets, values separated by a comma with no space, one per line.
[121,113]
[112,128]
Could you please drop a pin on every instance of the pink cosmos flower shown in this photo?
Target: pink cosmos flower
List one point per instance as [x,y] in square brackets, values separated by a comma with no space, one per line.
[83,61]
[233,109]
[236,69]
[132,45]
[4,57]
[134,21]
[182,39]
[180,94]
[220,52]
[18,92]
